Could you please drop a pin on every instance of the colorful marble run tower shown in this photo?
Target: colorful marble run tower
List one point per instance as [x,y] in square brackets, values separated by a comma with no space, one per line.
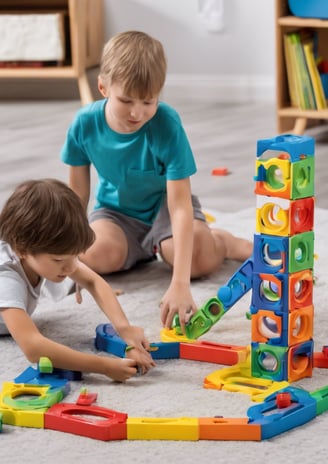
[282,275]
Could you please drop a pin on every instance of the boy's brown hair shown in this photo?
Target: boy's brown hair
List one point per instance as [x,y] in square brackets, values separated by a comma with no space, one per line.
[45,216]
[135,60]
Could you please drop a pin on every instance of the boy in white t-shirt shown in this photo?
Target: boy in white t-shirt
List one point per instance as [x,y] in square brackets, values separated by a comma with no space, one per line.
[43,229]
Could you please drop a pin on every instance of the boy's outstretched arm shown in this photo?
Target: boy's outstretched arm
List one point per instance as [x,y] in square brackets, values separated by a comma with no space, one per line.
[34,345]
[178,298]
[79,182]
[108,302]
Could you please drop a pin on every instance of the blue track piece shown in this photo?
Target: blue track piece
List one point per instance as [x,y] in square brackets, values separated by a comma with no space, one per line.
[237,286]
[274,420]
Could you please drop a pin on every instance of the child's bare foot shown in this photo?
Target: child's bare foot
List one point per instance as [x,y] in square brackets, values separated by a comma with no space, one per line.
[237,248]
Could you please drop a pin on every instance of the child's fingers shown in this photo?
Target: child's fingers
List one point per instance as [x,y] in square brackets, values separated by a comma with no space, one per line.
[78,294]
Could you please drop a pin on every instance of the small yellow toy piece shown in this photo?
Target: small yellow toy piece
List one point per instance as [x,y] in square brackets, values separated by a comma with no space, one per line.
[209,218]
[164,428]
[170,335]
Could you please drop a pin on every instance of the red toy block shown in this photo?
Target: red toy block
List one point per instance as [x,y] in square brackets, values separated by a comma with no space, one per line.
[86,399]
[217,428]
[66,417]
[212,352]
[320,359]
[220,172]
[283,400]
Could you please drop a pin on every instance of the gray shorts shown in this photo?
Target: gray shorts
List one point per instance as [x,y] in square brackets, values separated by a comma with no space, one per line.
[143,240]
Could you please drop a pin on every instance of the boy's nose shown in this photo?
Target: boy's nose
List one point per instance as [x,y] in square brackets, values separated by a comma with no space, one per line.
[71,266]
[136,113]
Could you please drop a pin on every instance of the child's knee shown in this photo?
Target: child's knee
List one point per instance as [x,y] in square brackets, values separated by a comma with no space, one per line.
[104,259]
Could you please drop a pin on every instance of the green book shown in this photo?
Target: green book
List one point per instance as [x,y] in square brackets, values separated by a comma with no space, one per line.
[307,94]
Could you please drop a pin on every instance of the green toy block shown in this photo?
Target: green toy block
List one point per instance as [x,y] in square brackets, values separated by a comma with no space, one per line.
[302,178]
[321,397]
[301,252]
[202,320]
[45,365]
[269,362]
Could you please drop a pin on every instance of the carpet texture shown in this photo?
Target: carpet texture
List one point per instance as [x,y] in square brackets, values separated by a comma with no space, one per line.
[175,387]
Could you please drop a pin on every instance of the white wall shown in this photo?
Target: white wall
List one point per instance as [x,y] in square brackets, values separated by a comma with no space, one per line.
[234,64]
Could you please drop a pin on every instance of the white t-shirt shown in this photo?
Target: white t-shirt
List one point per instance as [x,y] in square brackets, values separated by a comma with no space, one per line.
[16,290]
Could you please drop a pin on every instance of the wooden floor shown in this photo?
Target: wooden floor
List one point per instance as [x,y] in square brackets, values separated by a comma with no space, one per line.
[221,135]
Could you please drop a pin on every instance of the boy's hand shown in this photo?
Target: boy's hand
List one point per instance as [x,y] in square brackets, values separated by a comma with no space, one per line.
[120,369]
[135,337]
[177,300]
[143,360]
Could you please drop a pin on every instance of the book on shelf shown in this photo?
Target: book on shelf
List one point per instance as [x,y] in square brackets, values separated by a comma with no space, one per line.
[304,83]
[314,74]
[304,89]
[294,87]
[292,80]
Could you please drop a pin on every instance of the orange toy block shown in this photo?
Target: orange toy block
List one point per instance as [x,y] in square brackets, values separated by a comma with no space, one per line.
[220,428]
[220,171]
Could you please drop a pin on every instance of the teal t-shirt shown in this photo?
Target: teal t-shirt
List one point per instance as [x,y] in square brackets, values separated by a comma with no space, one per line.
[132,168]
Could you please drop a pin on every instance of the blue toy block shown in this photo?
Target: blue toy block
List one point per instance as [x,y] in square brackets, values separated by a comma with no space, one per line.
[165,350]
[275,420]
[294,145]
[67,374]
[270,253]
[33,376]
[108,340]
[237,286]
[273,254]
[282,328]
[282,292]
[270,291]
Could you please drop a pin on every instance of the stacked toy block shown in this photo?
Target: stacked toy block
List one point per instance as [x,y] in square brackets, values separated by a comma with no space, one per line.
[282,281]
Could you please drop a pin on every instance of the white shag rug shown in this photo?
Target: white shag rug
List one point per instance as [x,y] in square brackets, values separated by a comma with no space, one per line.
[175,387]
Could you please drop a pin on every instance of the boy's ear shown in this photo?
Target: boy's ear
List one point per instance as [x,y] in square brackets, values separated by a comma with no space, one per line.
[102,88]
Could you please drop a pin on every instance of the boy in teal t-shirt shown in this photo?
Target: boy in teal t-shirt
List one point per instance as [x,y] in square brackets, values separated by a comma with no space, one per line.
[143,159]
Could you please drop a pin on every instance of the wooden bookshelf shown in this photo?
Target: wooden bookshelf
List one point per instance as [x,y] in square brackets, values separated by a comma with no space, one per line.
[292,119]
[84,39]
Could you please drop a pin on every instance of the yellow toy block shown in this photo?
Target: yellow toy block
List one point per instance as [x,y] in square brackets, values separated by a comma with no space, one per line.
[272,216]
[24,405]
[164,428]
[170,335]
[238,378]
[280,177]
[278,216]
[277,181]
